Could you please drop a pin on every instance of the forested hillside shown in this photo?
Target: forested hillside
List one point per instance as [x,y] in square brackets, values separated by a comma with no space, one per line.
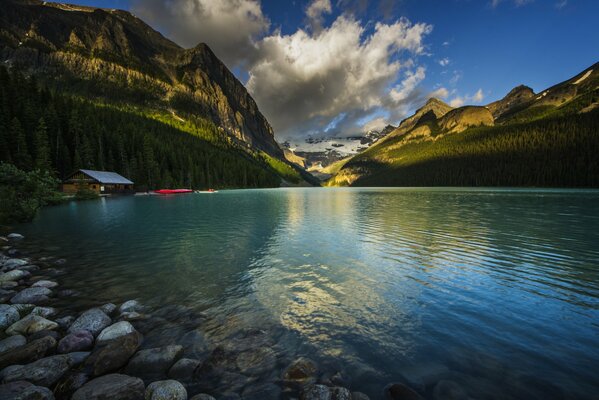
[43,130]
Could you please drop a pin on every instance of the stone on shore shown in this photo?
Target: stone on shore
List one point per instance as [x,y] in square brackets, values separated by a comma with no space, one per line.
[166,390]
[113,386]
[130,306]
[12,342]
[14,275]
[45,283]
[8,316]
[93,320]
[69,383]
[31,324]
[115,330]
[76,341]
[22,390]
[13,263]
[44,311]
[36,295]
[112,355]
[202,396]
[15,236]
[24,309]
[108,308]
[65,322]
[28,353]
[44,372]
[183,369]
[316,392]
[153,363]
[44,333]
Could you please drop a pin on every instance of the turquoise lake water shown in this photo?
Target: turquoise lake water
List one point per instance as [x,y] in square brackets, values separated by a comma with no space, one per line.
[497,290]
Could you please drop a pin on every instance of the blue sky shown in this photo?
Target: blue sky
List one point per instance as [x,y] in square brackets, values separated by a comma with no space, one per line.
[469,51]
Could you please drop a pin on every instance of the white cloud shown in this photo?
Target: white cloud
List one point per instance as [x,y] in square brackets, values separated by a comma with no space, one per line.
[440,93]
[229,27]
[457,102]
[316,11]
[303,81]
[444,62]
[476,98]
[517,3]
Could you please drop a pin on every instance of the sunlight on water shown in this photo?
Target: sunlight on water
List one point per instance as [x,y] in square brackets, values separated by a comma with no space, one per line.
[498,287]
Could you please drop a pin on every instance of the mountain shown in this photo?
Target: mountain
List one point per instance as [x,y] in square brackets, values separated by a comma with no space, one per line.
[524,139]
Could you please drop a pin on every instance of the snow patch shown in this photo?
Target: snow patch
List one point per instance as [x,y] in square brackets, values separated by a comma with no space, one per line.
[585,76]
[542,95]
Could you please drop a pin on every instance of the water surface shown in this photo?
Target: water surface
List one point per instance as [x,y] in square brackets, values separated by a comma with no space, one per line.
[496,289]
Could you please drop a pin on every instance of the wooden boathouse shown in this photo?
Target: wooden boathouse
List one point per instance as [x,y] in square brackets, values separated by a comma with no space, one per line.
[101,182]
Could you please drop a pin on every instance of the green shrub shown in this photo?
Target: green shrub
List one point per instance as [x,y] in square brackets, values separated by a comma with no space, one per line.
[86,194]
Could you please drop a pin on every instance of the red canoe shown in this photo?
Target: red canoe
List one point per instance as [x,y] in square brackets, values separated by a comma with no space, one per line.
[173,191]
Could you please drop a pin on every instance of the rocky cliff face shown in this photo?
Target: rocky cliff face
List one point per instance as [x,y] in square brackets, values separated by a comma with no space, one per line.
[516,97]
[113,55]
[462,118]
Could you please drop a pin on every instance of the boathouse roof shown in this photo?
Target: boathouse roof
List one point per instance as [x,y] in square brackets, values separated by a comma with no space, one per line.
[106,177]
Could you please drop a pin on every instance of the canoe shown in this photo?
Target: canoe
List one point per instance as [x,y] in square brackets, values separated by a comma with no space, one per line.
[173,191]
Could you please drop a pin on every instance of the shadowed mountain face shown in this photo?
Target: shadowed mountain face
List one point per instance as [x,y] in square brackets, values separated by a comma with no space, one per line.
[114,56]
[524,139]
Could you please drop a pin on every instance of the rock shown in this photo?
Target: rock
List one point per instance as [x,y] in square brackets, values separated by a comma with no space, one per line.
[31,324]
[8,285]
[153,363]
[261,391]
[67,293]
[6,295]
[44,372]
[69,383]
[44,311]
[130,306]
[183,369]
[38,295]
[14,275]
[256,362]
[13,263]
[166,390]
[28,353]
[399,391]
[13,252]
[202,396]
[45,283]
[24,309]
[229,396]
[12,342]
[131,316]
[108,308]
[112,355]
[60,261]
[29,268]
[340,393]
[15,236]
[449,390]
[22,390]
[316,392]
[65,322]
[359,396]
[113,386]
[422,375]
[302,371]
[232,381]
[115,330]
[8,316]
[93,320]
[44,333]
[195,344]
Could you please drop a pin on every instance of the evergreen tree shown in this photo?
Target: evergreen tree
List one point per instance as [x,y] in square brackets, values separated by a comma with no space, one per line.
[20,153]
[42,147]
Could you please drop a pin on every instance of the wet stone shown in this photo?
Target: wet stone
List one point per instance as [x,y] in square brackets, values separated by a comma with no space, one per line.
[22,390]
[28,353]
[261,391]
[8,316]
[93,320]
[31,324]
[399,391]
[108,308]
[45,312]
[166,390]
[202,396]
[316,392]
[69,383]
[38,295]
[45,283]
[115,330]
[183,369]
[44,333]
[449,390]
[113,386]
[112,355]
[44,372]
[154,363]
[256,362]
[12,342]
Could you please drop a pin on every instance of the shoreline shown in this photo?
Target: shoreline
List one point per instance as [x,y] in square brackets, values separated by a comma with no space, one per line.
[48,352]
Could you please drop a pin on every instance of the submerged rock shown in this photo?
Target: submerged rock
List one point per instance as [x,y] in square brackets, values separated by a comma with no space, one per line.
[14,275]
[113,386]
[45,283]
[12,342]
[112,355]
[261,391]
[166,390]
[399,391]
[36,295]
[256,362]
[13,263]
[183,369]
[130,306]
[22,390]
[76,341]
[115,330]
[44,311]
[316,392]
[301,371]
[359,396]
[28,353]
[44,372]
[31,324]
[93,320]
[8,316]
[69,383]
[449,390]
[154,363]
[15,236]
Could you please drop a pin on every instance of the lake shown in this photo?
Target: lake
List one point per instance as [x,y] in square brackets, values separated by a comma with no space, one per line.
[497,290]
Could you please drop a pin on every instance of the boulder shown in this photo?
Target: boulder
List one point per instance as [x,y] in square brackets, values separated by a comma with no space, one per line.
[195,344]
[44,311]
[113,386]
[166,390]
[112,355]
[24,309]
[28,353]
[14,275]
[13,263]
[108,308]
[183,369]
[69,383]
[65,322]
[340,393]
[6,295]
[130,306]
[115,330]
[44,333]
[44,372]
[45,283]
[12,342]
[153,363]
[316,392]
[31,324]
[37,295]
[76,341]
[93,320]
[449,390]
[399,391]
[8,316]
[301,371]
[15,236]
[22,390]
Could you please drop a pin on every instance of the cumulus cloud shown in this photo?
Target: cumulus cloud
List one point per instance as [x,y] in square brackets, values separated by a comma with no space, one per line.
[316,11]
[444,62]
[476,98]
[304,81]
[230,27]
